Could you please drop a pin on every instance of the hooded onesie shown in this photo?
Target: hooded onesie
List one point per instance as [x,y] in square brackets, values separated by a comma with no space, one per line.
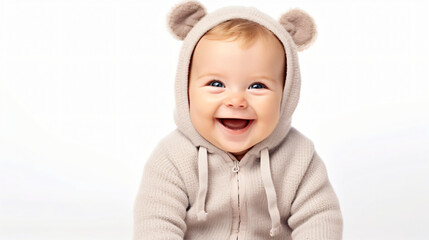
[191,189]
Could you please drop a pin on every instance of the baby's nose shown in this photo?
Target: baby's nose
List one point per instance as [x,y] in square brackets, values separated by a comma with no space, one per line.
[236,100]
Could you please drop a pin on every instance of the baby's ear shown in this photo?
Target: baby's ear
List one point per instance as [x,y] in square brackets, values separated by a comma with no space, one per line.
[300,26]
[183,17]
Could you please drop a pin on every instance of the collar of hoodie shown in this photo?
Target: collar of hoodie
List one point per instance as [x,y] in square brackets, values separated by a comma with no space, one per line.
[266,179]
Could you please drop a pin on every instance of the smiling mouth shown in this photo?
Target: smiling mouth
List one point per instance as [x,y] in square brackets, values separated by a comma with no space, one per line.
[235,123]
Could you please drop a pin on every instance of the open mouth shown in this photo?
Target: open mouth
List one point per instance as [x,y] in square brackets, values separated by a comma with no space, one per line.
[235,124]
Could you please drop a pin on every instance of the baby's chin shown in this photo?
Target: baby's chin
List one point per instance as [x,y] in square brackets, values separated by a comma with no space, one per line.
[237,152]
[240,152]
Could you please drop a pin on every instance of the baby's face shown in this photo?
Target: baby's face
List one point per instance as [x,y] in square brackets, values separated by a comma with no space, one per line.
[235,93]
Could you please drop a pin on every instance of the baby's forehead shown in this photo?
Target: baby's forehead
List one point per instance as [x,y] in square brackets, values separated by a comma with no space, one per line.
[263,57]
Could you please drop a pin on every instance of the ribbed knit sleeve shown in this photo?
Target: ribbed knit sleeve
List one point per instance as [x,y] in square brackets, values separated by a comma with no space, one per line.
[315,211]
[160,206]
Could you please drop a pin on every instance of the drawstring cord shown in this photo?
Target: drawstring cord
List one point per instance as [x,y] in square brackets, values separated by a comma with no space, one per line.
[270,192]
[203,180]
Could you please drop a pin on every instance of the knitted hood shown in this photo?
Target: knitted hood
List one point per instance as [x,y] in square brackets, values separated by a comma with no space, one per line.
[295,29]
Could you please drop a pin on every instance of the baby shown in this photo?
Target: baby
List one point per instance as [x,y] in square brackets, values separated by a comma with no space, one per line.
[235,168]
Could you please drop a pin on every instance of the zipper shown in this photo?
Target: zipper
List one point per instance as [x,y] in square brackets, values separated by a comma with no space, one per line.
[235,169]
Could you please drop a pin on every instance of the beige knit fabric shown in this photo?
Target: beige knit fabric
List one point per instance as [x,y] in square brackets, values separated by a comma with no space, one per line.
[190,189]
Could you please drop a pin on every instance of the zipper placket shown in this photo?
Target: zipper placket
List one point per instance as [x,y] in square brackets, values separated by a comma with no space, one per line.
[236,169]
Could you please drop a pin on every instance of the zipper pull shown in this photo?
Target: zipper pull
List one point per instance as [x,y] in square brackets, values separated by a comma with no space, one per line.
[236,168]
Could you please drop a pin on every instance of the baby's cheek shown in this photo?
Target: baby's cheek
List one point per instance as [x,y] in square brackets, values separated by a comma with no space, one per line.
[210,101]
[268,113]
[203,105]
[214,90]
[267,106]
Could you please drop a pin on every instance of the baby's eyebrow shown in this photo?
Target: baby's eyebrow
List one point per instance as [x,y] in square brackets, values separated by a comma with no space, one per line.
[215,75]
[263,77]
[219,76]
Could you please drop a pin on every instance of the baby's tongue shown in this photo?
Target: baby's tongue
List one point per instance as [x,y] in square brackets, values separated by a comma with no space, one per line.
[234,123]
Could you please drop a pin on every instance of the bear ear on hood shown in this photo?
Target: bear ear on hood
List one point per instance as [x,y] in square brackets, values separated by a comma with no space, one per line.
[183,17]
[300,26]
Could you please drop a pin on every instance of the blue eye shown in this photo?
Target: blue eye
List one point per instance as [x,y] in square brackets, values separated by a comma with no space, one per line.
[216,84]
[257,86]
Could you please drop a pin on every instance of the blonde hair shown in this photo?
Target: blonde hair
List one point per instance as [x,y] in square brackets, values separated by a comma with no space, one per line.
[243,30]
[246,31]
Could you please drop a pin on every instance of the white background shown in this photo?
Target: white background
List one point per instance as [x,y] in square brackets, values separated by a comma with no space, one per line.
[86,92]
